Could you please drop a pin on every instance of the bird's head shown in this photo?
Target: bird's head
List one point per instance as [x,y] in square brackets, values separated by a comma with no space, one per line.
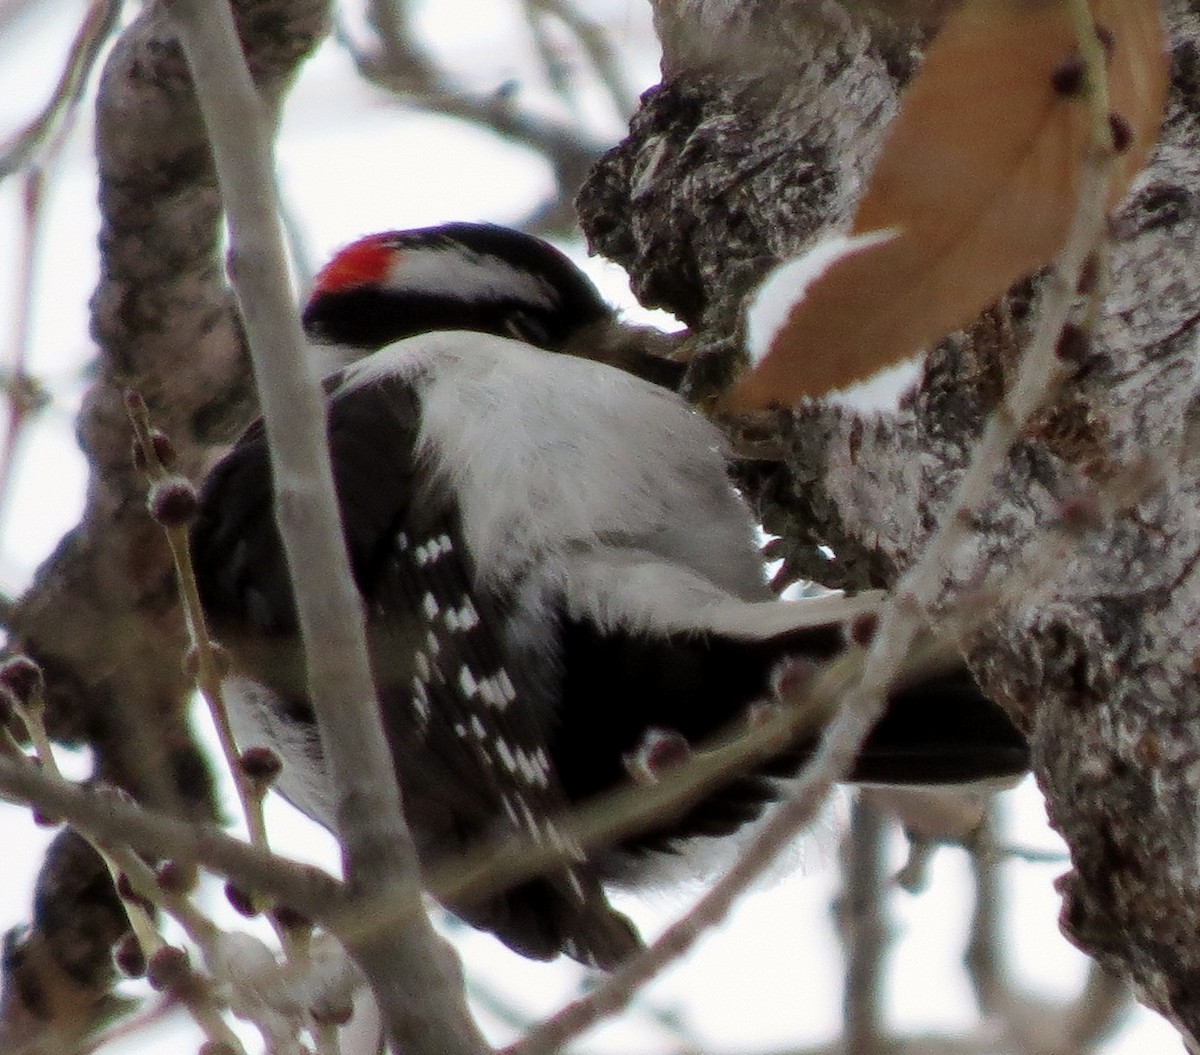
[458,276]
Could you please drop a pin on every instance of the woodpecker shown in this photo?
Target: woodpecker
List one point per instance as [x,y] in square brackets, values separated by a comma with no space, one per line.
[555,571]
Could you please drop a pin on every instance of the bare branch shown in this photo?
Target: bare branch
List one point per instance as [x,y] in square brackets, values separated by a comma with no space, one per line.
[399,63]
[596,45]
[97,26]
[862,922]
[615,993]
[101,617]
[1096,659]
[25,395]
[1029,1023]
[409,968]
[109,819]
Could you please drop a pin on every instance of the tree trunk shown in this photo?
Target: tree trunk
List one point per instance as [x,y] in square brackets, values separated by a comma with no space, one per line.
[758,139]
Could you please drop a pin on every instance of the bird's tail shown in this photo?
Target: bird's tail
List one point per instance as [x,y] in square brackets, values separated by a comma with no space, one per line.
[940,729]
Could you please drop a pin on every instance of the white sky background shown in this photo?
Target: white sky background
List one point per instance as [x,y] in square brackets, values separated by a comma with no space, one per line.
[352,161]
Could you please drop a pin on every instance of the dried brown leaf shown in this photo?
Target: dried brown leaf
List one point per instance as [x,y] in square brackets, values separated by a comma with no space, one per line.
[978,180]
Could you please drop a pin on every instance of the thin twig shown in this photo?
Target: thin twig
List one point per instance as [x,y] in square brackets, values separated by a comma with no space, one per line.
[96,614]
[31,712]
[599,50]
[305,888]
[607,818]
[552,64]
[615,992]
[98,25]
[122,862]
[209,665]
[399,64]
[863,928]
[25,395]
[1030,1023]
[982,958]
[199,995]
[1040,375]
[410,969]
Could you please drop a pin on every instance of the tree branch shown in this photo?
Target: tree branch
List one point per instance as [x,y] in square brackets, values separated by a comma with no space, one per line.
[106,818]
[413,973]
[101,617]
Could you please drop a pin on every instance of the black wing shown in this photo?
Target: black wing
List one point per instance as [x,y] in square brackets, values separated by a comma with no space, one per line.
[469,756]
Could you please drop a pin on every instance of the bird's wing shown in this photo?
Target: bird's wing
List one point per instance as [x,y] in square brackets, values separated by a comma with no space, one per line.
[467,742]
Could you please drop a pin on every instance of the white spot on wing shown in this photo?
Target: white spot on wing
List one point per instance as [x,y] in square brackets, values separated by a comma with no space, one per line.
[432,550]
[420,702]
[423,670]
[468,618]
[498,691]
[506,756]
[505,686]
[467,684]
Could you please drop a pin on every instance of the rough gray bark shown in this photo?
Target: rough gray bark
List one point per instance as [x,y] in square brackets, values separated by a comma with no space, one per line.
[736,161]
[101,616]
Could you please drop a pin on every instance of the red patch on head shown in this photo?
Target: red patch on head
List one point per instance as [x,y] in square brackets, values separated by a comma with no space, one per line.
[360,264]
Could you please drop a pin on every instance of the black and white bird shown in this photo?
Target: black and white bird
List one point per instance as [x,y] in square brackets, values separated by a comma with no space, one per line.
[553,566]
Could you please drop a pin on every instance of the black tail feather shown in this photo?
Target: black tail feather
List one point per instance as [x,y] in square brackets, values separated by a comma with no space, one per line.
[941,730]
[937,729]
